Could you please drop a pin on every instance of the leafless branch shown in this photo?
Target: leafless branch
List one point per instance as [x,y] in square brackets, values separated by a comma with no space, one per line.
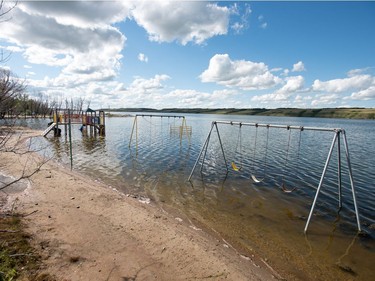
[4,57]
[5,10]
[25,174]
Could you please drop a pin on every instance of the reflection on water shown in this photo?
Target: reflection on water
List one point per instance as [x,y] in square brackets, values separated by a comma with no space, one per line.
[253,216]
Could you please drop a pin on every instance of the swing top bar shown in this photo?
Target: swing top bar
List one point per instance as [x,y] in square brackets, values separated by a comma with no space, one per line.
[159,115]
[279,126]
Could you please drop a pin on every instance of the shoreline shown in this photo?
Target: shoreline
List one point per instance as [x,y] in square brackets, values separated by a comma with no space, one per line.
[355,113]
[86,230]
[341,113]
[265,234]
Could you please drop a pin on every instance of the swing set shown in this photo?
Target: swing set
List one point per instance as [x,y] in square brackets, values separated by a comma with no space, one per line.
[180,129]
[339,134]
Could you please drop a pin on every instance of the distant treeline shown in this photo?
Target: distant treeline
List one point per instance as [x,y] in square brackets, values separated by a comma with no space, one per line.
[350,113]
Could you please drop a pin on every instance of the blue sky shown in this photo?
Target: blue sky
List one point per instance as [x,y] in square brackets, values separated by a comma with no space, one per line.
[163,54]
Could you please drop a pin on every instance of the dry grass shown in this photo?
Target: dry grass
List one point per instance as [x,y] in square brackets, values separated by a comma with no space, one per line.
[18,259]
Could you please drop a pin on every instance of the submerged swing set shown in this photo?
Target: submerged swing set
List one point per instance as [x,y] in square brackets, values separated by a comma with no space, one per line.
[339,135]
[179,129]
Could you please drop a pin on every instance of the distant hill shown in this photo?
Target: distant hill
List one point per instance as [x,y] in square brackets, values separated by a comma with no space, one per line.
[350,113]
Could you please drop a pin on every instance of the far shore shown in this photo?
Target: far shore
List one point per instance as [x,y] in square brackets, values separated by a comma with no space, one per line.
[342,113]
[349,113]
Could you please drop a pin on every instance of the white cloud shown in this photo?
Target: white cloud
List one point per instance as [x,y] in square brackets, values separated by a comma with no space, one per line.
[226,93]
[37,54]
[13,49]
[243,22]
[298,67]
[366,94]
[74,36]
[27,29]
[238,27]
[246,75]
[100,94]
[142,57]
[357,86]
[325,100]
[79,13]
[263,24]
[358,71]
[153,93]
[193,98]
[144,86]
[358,82]
[184,22]
[292,85]
[189,98]
[276,69]
[302,101]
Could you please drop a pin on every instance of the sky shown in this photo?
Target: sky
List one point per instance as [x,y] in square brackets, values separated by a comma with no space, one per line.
[194,54]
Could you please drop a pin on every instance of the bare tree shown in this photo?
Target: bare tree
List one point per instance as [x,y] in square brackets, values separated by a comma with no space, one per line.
[44,105]
[12,93]
[88,103]
[79,104]
[11,87]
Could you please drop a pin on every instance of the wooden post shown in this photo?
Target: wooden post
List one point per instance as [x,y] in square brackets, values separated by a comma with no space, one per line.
[56,130]
[70,141]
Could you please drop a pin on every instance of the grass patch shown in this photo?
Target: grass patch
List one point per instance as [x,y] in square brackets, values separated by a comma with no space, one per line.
[18,259]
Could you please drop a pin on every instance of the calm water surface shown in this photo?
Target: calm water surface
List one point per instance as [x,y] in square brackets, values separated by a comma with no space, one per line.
[254,217]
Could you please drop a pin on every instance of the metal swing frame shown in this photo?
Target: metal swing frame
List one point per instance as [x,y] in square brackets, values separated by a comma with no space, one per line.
[339,134]
[183,128]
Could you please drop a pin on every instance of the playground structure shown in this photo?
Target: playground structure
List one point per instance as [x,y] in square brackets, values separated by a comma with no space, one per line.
[180,130]
[91,121]
[339,136]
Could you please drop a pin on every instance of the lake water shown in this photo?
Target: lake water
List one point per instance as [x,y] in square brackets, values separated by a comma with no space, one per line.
[253,217]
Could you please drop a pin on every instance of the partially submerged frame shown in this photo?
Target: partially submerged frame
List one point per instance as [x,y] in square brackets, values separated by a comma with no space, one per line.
[184,127]
[339,134]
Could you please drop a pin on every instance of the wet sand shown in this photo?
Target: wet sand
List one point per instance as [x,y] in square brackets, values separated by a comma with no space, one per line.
[85,230]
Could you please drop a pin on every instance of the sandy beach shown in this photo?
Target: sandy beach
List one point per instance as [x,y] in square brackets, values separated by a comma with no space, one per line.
[85,230]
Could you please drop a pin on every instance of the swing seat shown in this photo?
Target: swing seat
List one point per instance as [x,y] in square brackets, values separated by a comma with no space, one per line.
[234,167]
[284,189]
[255,179]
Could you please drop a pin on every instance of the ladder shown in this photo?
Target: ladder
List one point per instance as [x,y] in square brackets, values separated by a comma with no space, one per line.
[49,129]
